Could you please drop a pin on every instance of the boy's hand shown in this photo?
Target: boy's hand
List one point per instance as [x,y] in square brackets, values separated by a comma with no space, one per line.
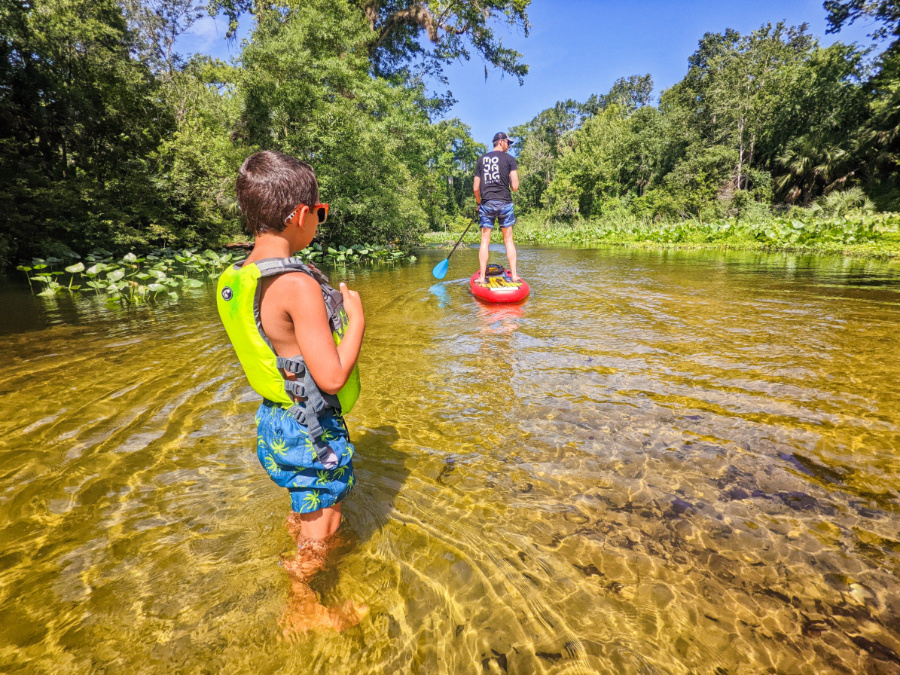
[352,304]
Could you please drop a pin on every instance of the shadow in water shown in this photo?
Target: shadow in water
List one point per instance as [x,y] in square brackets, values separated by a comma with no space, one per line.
[381,472]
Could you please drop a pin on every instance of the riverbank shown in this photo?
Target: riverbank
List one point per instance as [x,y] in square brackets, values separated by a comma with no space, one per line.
[870,235]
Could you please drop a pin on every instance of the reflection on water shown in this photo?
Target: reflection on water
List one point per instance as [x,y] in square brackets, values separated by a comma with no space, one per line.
[440,291]
[659,463]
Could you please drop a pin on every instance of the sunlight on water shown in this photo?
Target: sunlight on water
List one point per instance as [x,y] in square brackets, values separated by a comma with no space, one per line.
[660,463]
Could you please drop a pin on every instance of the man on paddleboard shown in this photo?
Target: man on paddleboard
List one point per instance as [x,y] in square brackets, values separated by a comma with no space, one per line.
[496,173]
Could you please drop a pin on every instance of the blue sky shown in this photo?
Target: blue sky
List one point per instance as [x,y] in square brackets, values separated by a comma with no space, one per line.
[580,47]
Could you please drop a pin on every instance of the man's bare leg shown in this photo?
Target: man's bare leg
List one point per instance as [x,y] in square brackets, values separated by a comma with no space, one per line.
[314,534]
[510,251]
[484,253]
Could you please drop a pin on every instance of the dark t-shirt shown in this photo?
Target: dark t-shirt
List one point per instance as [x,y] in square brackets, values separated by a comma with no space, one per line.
[493,169]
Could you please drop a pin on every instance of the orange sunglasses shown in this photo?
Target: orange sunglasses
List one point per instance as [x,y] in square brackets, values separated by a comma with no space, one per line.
[320,209]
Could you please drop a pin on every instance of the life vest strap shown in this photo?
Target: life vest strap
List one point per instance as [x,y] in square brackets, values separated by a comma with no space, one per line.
[292,364]
[274,266]
[311,402]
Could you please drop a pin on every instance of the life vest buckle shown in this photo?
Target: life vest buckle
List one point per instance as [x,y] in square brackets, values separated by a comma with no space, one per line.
[292,364]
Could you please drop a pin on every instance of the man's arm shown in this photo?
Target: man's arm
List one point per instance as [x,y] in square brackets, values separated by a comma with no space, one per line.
[476,188]
[514,180]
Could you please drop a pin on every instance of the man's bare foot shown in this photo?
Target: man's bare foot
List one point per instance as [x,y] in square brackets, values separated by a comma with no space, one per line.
[516,278]
[480,281]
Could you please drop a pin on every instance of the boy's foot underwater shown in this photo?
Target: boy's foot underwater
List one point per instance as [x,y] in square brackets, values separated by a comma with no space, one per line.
[303,611]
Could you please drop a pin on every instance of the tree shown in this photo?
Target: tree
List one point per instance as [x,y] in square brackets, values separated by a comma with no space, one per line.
[196,164]
[590,168]
[629,93]
[845,12]
[306,88]
[157,24]
[817,144]
[880,136]
[538,142]
[736,86]
[78,121]
[453,29]
[451,169]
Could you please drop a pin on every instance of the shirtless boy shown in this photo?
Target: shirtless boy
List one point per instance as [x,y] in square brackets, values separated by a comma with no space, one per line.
[284,321]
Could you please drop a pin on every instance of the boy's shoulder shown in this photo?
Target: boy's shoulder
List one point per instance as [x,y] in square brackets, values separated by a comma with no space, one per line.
[293,289]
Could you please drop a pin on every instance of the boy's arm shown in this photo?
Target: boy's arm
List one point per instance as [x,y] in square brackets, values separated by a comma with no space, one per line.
[329,365]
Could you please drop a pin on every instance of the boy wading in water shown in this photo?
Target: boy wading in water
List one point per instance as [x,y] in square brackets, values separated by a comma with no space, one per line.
[298,340]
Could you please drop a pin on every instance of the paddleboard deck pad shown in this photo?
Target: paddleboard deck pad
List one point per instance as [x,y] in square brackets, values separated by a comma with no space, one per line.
[498,286]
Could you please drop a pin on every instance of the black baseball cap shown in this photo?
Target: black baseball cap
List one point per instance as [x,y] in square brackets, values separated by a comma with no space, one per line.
[500,136]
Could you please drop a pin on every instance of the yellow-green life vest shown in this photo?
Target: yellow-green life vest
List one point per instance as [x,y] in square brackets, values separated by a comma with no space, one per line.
[238,301]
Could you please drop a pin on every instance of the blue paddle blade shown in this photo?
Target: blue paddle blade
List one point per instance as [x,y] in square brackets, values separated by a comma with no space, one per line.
[440,270]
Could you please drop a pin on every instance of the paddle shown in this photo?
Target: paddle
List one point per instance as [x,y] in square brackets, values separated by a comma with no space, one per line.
[440,270]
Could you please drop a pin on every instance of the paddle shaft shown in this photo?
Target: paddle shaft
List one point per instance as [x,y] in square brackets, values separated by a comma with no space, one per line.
[459,241]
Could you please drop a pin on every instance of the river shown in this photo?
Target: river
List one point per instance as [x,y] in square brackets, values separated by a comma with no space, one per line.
[661,462]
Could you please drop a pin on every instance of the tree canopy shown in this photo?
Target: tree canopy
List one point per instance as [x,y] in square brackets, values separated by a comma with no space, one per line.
[760,121]
[110,138]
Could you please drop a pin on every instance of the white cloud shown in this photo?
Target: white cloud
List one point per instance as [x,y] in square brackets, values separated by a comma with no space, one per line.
[206,36]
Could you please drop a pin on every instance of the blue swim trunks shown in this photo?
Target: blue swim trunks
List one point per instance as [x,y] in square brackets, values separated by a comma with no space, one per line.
[287,454]
[492,210]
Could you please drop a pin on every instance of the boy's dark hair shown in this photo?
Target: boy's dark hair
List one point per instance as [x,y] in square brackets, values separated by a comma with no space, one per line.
[270,185]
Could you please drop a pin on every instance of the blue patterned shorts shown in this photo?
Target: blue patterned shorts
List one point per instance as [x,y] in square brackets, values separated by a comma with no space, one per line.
[287,454]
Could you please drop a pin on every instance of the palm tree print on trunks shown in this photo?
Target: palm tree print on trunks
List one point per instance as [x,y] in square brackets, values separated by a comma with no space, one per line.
[312,501]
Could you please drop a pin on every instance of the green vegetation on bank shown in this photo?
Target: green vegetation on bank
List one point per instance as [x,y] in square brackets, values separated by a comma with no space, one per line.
[869,235]
[162,274]
[131,279]
[109,139]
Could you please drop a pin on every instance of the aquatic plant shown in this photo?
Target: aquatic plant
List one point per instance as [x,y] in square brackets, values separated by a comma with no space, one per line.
[131,279]
[358,254]
[163,273]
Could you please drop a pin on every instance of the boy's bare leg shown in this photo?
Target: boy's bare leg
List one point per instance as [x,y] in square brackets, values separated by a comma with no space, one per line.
[510,251]
[484,253]
[319,524]
[314,534]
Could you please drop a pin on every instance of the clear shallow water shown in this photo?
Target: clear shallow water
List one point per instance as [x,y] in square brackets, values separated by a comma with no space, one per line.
[686,463]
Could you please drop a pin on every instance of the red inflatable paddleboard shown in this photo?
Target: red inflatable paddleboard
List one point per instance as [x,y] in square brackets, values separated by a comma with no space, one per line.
[499,287]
